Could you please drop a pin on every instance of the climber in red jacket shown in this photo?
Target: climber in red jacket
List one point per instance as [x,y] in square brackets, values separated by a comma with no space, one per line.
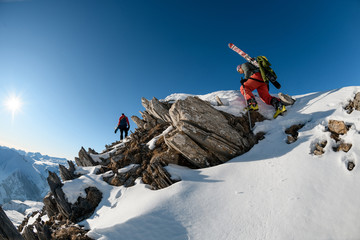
[252,81]
[123,125]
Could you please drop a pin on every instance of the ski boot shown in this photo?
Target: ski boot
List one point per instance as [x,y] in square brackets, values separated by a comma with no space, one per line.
[252,105]
[279,107]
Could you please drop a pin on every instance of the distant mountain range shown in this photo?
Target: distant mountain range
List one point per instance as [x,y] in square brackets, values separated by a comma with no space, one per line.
[23,174]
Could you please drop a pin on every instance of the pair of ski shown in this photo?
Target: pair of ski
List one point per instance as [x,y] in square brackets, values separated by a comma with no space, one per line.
[255,63]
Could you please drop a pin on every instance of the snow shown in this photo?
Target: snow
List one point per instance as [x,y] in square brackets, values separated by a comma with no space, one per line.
[274,191]
[98,157]
[151,143]
[18,210]
[128,168]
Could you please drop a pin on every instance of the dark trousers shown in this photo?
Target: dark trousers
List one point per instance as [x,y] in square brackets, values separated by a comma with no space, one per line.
[122,130]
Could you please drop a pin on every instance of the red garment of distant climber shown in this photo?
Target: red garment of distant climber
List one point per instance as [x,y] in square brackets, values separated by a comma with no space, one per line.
[123,125]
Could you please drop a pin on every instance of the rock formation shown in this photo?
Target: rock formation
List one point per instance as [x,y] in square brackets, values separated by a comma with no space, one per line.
[7,229]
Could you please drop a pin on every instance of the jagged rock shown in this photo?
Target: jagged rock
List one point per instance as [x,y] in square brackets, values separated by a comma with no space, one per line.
[286,99]
[169,156]
[84,207]
[7,229]
[210,130]
[92,151]
[156,176]
[203,135]
[219,102]
[84,159]
[150,121]
[50,205]
[74,212]
[126,179]
[139,122]
[201,115]
[337,127]
[115,161]
[187,147]
[157,109]
[43,232]
[68,174]
[29,234]
[59,196]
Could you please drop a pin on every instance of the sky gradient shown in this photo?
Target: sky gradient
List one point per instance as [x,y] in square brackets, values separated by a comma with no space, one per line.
[77,65]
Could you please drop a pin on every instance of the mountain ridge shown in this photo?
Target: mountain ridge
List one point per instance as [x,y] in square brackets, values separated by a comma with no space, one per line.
[279,189]
[23,174]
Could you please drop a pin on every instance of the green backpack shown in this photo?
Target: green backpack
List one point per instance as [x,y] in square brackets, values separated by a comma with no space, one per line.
[266,72]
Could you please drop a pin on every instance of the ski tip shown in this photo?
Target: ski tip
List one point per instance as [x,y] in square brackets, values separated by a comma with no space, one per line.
[230,45]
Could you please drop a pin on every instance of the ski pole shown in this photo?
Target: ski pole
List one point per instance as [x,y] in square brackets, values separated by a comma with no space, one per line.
[243,85]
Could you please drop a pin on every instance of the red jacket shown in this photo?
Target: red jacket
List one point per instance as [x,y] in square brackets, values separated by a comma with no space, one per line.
[123,121]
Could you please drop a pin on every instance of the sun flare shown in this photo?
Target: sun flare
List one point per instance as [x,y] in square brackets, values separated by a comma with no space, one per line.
[13,104]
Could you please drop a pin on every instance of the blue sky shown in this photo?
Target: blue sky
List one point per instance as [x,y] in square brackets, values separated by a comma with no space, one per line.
[77,65]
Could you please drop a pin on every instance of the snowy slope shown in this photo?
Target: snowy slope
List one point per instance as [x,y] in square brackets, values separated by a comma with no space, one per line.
[23,183]
[275,191]
[23,175]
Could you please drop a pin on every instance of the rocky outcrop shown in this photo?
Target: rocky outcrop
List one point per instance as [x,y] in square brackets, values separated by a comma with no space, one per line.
[42,232]
[189,149]
[63,207]
[84,159]
[189,132]
[202,134]
[68,174]
[7,229]
[202,129]
[157,109]
[62,214]
[74,212]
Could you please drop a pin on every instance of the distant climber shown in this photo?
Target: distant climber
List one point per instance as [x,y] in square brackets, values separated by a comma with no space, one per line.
[123,125]
[253,80]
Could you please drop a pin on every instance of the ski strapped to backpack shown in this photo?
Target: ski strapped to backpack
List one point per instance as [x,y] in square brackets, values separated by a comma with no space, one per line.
[260,62]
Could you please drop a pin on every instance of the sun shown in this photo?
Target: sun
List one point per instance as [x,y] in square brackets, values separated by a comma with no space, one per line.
[13,104]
